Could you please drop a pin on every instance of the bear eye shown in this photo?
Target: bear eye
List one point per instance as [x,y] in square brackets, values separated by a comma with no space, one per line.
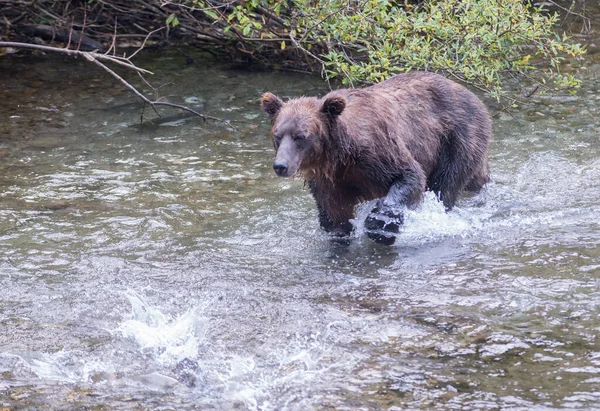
[299,137]
[277,137]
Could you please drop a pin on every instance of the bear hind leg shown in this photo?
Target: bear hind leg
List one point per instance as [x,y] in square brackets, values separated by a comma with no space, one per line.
[446,184]
[454,171]
[480,178]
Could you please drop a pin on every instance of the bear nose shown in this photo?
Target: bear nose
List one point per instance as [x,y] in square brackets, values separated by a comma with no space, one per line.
[280,168]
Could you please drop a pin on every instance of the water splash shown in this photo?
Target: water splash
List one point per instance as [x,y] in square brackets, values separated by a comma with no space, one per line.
[430,222]
[170,339]
[64,365]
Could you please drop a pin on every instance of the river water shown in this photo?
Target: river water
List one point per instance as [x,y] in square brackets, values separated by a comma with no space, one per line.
[165,266]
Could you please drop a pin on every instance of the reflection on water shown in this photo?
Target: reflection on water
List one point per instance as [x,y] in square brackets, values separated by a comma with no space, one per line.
[164,264]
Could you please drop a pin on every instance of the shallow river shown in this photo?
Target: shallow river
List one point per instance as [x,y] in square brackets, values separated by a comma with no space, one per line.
[165,266]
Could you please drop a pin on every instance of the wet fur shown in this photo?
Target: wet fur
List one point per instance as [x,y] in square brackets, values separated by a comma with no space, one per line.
[393,140]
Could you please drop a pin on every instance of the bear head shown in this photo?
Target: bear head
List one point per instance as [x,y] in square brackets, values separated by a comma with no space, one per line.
[301,130]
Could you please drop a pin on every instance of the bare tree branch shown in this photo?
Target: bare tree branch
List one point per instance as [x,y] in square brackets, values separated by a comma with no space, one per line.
[114,59]
[587,22]
[146,99]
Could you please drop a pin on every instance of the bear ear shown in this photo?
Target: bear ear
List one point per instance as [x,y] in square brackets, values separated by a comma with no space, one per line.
[333,106]
[271,104]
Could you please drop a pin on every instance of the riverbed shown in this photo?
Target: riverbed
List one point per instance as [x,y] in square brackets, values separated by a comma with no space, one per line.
[163,265]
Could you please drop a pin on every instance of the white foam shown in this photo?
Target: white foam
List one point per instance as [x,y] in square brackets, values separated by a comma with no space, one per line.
[171,339]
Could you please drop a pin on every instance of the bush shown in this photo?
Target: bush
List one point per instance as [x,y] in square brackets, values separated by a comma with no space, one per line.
[355,41]
[476,41]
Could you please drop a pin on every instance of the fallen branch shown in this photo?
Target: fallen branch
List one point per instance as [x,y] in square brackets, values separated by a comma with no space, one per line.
[146,99]
[123,61]
[96,58]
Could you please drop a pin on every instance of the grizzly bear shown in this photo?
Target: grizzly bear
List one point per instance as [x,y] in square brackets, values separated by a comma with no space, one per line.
[390,141]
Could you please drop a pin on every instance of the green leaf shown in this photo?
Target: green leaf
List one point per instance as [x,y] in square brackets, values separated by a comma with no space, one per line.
[212,14]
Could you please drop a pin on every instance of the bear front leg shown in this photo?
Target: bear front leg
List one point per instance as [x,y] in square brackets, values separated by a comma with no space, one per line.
[342,229]
[386,218]
[340,226]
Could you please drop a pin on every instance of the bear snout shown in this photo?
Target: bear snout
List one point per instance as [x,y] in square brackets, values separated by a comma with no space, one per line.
[281,168]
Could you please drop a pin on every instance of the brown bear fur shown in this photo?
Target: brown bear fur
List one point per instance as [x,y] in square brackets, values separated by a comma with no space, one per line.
[390,141]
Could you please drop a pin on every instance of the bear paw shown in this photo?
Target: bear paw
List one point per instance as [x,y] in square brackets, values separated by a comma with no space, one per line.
[340,233]
[383,224]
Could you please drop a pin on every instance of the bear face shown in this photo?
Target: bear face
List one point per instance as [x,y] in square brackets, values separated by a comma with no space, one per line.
[299,130]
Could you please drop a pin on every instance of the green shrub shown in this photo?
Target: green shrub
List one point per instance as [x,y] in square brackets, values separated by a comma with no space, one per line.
[477,41]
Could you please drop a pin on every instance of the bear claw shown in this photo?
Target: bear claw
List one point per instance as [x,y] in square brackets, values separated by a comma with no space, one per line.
[383,224]
[384,219]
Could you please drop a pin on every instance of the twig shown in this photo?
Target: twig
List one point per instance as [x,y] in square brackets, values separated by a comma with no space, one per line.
[139,27]
[532,92]
[83,26]
[144,42]
[308,30]
[49,14]
[293,39]
[114,40]
[155,89]
[70,34]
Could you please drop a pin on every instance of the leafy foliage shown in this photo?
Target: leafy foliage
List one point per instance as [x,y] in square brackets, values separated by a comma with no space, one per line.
[481,42]
[478,41]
